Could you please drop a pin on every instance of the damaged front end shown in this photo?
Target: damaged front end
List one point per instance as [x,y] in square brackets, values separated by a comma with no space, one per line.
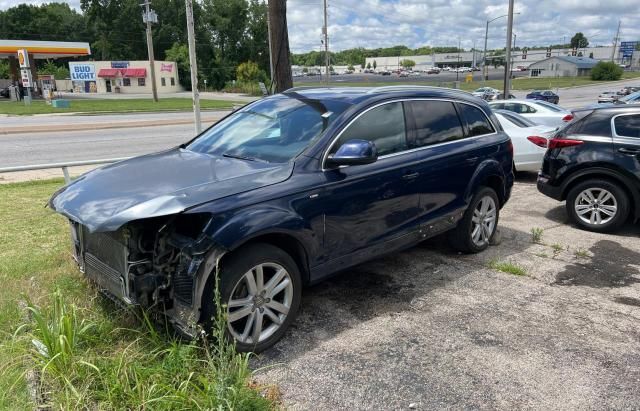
[160,263]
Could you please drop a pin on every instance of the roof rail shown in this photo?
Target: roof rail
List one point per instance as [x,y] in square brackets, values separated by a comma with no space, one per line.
[298,88]
[403,87]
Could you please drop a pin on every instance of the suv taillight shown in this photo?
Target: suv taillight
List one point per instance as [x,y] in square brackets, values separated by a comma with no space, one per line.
[563,142]
[567,118]
[538,141]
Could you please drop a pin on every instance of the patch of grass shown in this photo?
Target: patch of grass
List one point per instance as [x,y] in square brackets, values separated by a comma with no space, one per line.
[542,255]
[112,106]
[507,267]
[90,354]
[521,83]
[536,235]
[581,253]
[557,249]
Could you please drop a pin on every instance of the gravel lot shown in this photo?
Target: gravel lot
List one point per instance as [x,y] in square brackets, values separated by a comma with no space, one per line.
[429,328]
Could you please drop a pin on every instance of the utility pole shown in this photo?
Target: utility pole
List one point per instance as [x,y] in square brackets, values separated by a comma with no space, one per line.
[280,45]
[458,64]
[194,67]
[151,17]
[507,60]
[485,72]
[615,42]
[270,54]
[325,32]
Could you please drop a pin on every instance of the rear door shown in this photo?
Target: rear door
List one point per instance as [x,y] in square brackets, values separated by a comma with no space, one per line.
[626,142]
[447,154]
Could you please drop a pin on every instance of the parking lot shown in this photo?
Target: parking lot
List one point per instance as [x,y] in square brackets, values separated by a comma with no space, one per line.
[429,328]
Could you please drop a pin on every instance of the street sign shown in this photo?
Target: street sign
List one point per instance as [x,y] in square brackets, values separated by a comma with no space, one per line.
[26,77]
[627,48]
[23,58]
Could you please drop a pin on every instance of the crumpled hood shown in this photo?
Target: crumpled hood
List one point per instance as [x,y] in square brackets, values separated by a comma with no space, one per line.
[159,184]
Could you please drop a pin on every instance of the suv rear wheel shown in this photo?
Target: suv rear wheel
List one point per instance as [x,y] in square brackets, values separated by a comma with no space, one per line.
[260,287]
[479,224]
[598,205]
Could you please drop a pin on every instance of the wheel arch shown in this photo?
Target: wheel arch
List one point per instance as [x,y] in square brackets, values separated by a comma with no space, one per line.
[488,174]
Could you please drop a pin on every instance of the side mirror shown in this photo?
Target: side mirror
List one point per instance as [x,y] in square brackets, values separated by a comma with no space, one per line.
[353,153]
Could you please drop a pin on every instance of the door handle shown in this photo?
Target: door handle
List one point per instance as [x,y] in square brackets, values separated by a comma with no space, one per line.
[410,176]
[630,151]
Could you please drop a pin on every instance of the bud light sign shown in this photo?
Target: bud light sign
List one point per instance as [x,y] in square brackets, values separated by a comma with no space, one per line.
[82,72]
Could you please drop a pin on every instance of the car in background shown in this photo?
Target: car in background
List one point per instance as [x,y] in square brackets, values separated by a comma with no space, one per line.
[4,92]
[540,112]
[608,97]
[480,92]
[633,98]
[625,91]
[433,70]
[501,97]
[545,95]
[283,193]
[529,139]
[593,164]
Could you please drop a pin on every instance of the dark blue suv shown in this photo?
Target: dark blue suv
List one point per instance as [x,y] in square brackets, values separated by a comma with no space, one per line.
[283,193]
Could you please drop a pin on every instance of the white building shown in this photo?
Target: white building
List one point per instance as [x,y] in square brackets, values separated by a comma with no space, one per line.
[123,77]
[562,66]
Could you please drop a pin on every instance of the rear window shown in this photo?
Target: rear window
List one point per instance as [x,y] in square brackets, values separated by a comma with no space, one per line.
[628,126]
[435,121]
[594,124]
[476,120]
[550,106]
[517,119]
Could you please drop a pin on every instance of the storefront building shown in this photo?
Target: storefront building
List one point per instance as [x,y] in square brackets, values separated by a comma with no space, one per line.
[126,77]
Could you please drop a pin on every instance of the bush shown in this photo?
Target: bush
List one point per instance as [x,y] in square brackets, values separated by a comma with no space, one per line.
[250,72]
[606,70]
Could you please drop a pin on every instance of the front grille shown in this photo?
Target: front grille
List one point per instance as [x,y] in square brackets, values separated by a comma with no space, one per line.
[105,276]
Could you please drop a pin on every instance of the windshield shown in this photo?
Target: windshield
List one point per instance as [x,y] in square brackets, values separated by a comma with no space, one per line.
[516,119]
[273,130]
[631,97]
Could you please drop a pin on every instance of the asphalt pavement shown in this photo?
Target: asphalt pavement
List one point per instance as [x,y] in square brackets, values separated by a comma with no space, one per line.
[429,328]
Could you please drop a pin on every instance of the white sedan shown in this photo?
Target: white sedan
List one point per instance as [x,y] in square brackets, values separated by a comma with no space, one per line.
[540,112]
[529,139]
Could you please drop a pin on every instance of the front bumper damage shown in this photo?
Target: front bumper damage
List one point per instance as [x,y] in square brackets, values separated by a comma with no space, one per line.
[166,275]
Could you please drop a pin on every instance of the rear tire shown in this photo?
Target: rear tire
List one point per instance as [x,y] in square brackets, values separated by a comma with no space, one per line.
[598,205]
[474,232]
[260,286]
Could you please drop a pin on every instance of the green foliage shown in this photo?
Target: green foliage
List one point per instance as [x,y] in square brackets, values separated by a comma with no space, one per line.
[606,70]
[406,63]
[507,267]
[250,72]
[536,234]
[179,53]
[4,69]
[350,67]
[375,64]
[368,66]
[579,41]
[59,72]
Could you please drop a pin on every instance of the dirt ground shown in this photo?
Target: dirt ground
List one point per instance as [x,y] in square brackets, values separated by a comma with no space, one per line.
[430,328]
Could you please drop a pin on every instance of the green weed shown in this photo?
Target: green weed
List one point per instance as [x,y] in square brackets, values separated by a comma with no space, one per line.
[507,267]
[536,235]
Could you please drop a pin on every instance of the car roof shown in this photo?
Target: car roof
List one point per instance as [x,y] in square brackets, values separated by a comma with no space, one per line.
[357,95]
[613,108]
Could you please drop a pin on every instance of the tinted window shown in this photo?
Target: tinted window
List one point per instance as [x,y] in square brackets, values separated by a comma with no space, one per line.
[477,122]
[519,108]
[549,106]
[516,119]
[628,126]
[436,122]
[596,124]
[497,106]
[383,125]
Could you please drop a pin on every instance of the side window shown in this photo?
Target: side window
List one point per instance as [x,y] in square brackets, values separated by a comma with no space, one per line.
[498,106]
[476,120]
[516,108]
[628,126]
[383,125]
[527,109]
[436,122]
[595,124]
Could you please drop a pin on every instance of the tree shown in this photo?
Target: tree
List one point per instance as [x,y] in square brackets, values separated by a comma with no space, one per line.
[180,54]
[375,64]
[249,72]
[4,69]
[368,66]
[606,70]
[591,55]
[407,64]
[59,72]
[579,41]
[351,68]
[362,66]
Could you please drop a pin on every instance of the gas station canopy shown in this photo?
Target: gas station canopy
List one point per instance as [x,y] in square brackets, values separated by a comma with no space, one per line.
[44,49]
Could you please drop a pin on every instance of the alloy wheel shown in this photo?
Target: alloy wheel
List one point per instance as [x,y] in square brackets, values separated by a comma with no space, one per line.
[483,221]
[259,303]
[596,206]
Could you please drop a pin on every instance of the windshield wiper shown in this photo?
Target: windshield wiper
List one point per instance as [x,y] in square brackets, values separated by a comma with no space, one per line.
[239,157]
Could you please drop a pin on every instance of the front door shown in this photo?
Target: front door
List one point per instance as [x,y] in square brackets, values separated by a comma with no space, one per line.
[108,84]
[374,204]
[626,141]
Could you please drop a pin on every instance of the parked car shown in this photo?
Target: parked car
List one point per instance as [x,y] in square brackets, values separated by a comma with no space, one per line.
[608,97]
[500,96]
[545,95]
[529,139]
[482,91]
[283,193]
[433,70]
[625,91]
[593,164]
[540,112]
[385,73]
[4,92]
[633,98]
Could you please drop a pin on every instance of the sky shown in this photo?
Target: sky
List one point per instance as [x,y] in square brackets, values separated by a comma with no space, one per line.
[416,23]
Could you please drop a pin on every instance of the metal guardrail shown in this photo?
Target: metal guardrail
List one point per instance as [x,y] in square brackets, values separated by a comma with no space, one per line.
[63,165]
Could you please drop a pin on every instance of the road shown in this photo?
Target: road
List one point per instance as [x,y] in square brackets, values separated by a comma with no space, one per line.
[444,76]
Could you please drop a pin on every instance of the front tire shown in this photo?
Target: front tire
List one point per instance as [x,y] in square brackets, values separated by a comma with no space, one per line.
[598,205]
[474,232]
[260,288]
